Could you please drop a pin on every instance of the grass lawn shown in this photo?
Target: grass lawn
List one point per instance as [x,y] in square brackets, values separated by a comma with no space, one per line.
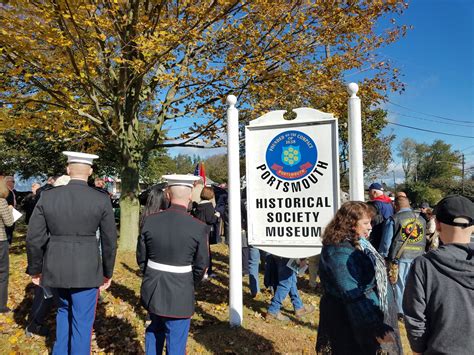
[120,321]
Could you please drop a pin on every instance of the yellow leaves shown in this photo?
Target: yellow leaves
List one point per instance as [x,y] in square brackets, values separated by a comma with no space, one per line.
[273,50]
[221,308]
[14,338]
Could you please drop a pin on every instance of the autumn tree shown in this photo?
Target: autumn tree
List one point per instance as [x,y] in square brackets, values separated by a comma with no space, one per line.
[431,170]
[216,168]
[158,164]
[118,68]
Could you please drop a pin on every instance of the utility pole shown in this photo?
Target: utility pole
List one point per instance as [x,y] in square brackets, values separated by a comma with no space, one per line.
[462,178]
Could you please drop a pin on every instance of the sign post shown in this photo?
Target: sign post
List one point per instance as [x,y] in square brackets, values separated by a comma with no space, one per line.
[292,181]
[356,165]
[235,241]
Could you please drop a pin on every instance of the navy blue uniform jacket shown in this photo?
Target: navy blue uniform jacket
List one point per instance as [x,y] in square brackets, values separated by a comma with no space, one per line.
[172,237]
[61,242]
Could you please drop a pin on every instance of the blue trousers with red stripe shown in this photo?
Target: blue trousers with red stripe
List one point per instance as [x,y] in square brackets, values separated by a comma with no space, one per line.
[174,330]
[74,321]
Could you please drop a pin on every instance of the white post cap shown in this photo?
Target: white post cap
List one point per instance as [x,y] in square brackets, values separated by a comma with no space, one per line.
[352,89]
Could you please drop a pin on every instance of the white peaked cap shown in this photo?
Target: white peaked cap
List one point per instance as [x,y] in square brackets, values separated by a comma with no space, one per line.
[81,158]
[181,179]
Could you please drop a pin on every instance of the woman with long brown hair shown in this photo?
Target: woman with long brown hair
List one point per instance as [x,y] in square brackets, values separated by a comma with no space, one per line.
[357,310]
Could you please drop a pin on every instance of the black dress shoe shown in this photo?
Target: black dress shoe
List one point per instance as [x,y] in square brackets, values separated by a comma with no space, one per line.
[36,329]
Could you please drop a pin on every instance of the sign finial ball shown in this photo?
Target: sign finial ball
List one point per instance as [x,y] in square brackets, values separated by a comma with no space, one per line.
[352,88]
[231,100]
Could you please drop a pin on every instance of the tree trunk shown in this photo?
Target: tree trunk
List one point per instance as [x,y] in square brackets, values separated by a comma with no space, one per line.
[129,208]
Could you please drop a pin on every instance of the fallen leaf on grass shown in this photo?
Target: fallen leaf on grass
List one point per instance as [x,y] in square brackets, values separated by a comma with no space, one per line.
[258,315]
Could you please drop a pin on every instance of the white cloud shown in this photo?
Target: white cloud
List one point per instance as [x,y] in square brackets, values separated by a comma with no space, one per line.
[394,169]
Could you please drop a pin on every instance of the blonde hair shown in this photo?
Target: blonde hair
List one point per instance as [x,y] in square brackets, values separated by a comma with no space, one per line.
[4,191]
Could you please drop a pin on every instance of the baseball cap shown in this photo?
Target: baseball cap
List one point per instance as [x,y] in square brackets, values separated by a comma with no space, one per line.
[455,210]
[425,205]
[375,186]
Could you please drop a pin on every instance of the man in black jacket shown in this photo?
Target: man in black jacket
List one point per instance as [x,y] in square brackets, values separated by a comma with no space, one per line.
[172,253]
[439,294]
[63,252]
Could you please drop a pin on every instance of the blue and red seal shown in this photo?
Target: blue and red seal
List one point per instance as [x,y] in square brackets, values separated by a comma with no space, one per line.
[291,155]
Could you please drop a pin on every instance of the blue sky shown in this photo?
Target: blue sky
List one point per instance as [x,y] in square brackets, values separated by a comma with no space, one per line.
[437,61]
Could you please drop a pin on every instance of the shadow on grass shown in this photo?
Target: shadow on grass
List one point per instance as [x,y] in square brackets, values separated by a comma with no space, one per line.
[18,247]
[136,271]
[128,295]
[114,334]
[21,315]
[22,311]
[218,337]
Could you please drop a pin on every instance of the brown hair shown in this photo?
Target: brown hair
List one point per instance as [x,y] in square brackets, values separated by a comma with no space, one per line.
[207,193]
[429,212]
[342,225]
[4,191]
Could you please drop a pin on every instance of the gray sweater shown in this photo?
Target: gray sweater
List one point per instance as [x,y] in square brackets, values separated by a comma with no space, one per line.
[439,301]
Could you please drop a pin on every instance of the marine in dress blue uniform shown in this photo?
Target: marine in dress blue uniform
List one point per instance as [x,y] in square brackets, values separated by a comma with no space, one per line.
[172,253]
[63,252]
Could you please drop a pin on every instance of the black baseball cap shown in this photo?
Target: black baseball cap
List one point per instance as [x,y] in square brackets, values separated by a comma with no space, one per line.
[455,210]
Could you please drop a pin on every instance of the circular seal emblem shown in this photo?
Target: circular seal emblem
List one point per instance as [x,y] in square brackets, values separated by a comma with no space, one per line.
[291,155]
[415,228]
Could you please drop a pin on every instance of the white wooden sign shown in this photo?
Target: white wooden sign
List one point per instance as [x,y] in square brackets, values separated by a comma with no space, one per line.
[292,181]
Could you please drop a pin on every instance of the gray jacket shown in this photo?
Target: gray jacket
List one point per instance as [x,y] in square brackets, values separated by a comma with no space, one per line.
[439,301]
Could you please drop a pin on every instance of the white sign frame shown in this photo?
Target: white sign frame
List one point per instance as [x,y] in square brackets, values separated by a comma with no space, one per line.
[272,123]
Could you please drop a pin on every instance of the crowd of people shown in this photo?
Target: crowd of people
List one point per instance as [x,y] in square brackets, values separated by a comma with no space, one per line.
[381,262]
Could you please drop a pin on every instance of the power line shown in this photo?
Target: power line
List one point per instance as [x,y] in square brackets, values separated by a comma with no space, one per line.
[427,119]
[427,130]
[427,114]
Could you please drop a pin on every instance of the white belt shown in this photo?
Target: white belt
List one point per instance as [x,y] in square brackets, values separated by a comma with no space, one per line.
[169,268]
